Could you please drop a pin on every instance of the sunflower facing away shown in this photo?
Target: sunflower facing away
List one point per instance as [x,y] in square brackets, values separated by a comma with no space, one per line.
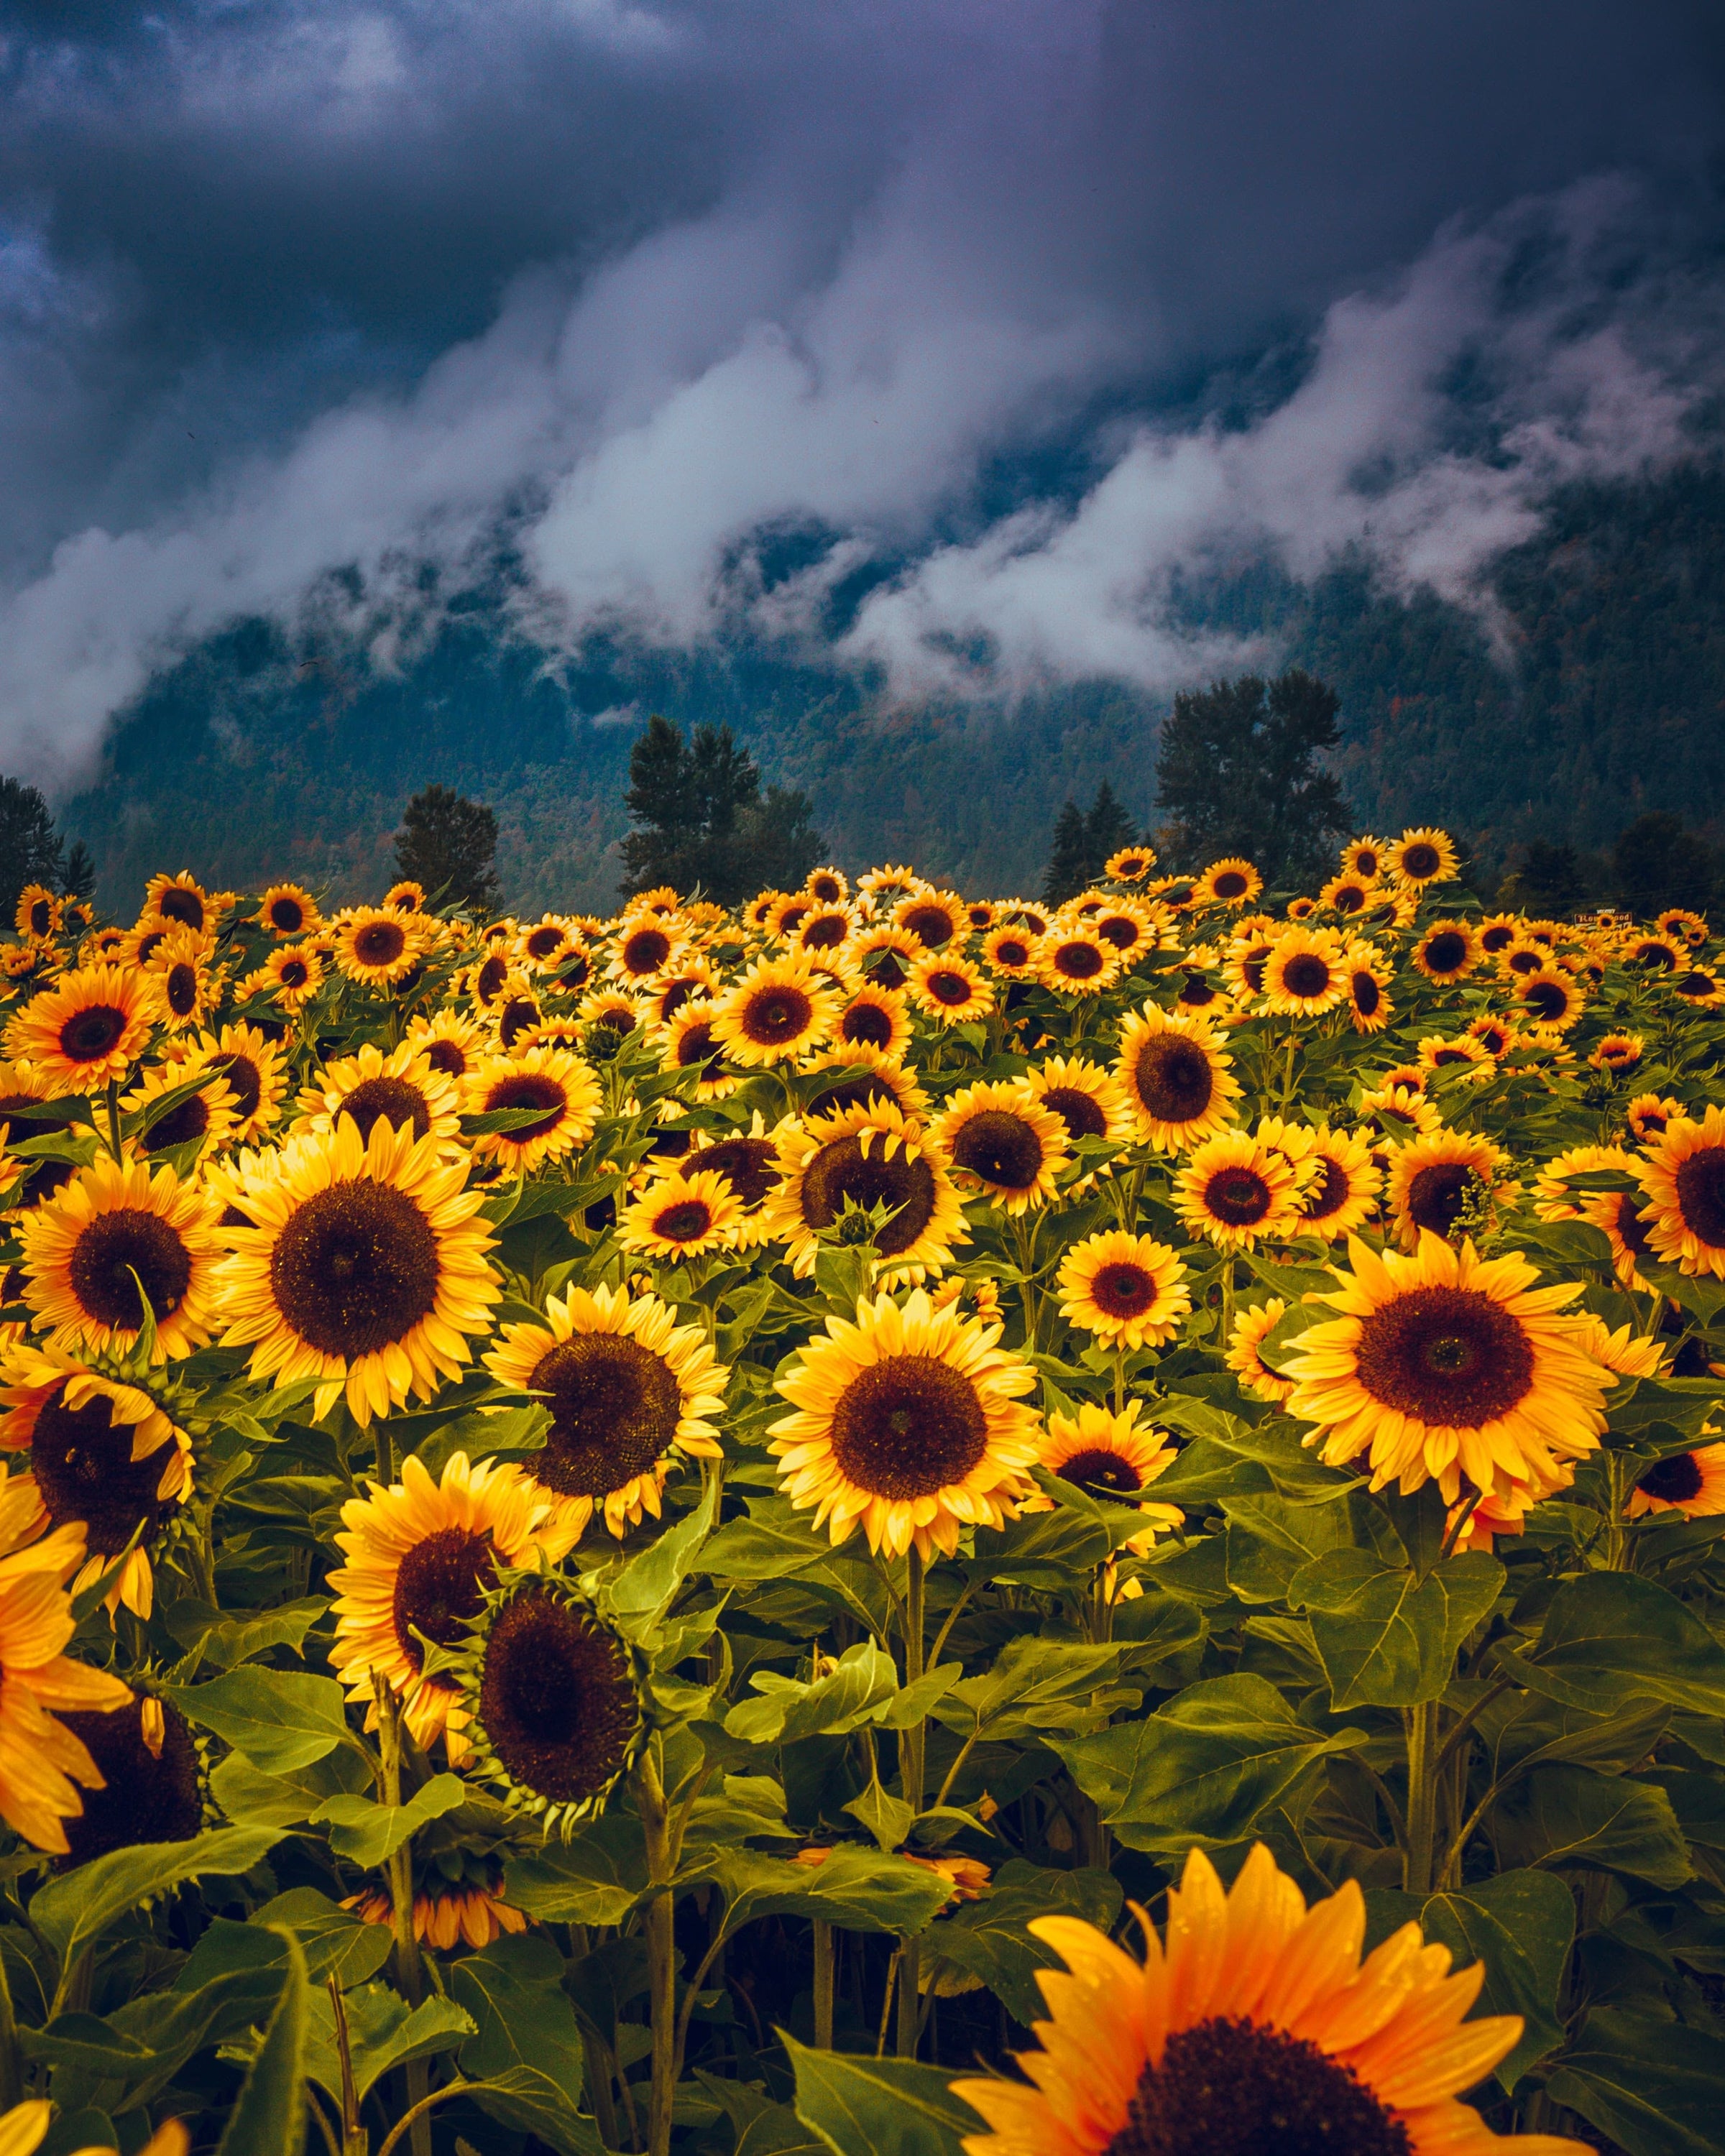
[630,1392]
[1127,1290]
[1447,1364]
[112,1230]
[364,1270]
[420,1556]
[1684,1178]
[1175,1074]
[858,1159]
[1004,1143]
[467,1913]
[84,1030]
[1255,2030]
[908,1421]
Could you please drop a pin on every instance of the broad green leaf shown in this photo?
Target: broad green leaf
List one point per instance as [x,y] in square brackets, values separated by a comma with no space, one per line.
[1271,1539]
[1524,1730]
[889,1819]
[336,1942]
[1036,1685]
[762,2126]
[1203,1770]
[1384,1638]
[596,1878]
[250,1798]
[526,2043]
[879,2106]
[1520,1924]
[227,1641]
[1655,2087]
[989,1939]
[639,1595]
[529,2101]
[279,1719]
[169,2026]
[1564,1815]
[859,1889]
[381,2033]
[1610,1637]
[368,1833]
[788,1709]
[72,1911]
[268,2115]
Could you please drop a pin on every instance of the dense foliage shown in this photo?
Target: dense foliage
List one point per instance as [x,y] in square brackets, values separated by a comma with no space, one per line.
[622,1534]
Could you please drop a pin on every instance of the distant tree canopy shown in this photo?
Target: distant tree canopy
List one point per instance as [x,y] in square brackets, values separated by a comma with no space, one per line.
[31,850]
[701,819]
[1657,863]
[448,845]
[1238,773]
[1082,845]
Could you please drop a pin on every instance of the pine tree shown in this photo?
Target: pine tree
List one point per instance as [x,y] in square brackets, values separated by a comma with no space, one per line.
[1068,858]
[78,878]
[702,823]
[448,845]
[1238,773]
[1659,863]
[1106,830]
[30,848]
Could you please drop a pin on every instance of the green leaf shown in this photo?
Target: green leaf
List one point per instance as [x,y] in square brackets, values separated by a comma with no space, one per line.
[888,1819]
[251,1798]
[382,2033]
[643,1591]
[1384,1638]
[227,1641]
[531,2102]
[368,1833]
[335,1943]
[527,2043]
[72,1911]
[863,1680]
[1610,1637]
[596,1878]
[1656,2088]
[1036,1684]
[859,1889]
[879,2106]
[1269,1539]
[268,2115]
[1565,1814]
[1203,1770]
[277,1718]
[1520,1924]
[988,1938]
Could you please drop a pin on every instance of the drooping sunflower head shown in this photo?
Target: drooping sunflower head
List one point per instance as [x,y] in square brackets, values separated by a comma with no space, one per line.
[779,1009]
[1304,973]
[1005,1142]
[376,946]
[554,1086]
[871,1161]
[86,1029]
[1128,1290]
[1445,1184]
[1230,882]
[629,1392]
[1448,951]
[555,1702]
[1617,1051]
[1176,1077]
[949,988]
[1683,1179]
[1422,856]
[1237,1191]
[909,1422]
[679,1216]
[115,1237]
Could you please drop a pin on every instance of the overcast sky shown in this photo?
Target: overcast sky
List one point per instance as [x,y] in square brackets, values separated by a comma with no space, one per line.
[1030,303]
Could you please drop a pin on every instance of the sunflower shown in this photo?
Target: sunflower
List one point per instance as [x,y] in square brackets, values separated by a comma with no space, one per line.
[364,1270]
[546,945]
[1463,1056]
[1617,1051]
[206,1118]
[1245,1357]
[562,1089]
[1243,966]
[610,1010]
[949,988]
[1700,986]
[1230,882]
[466,1912]
[1344,894]
[1126,926]
[1010,951]
[1005,1142]
[113,1229]
[1127,1290]
[982,914]
[151,1785]
[39,914]
[1176,1078]
[1421,857]
[420,1556]
[1398,1112]
[690,980]
[884,955]
[1341,1192]
[180,979]
[1684,1179]
[909,1421]
[824,928]
[749,1163]
[779,1009]
[254,1069]
[1654,954]
[1304,973]
[1516,961]
[1238,1191]
[375,946]
[1441,1179]
[1497,931]
[827,886]
[933,917]
[85,1030]
[645,950]
[1554,1199]
[858,1159]
[1076,961]
[400,1088]
[1617,1215]
[1408,1077]
[40,1758]
[1551,999]
[292,976]
[1447,1364]
[1364,858]
[287,909]
[792,909]
[1197,995]
[515,1014]
[1108,1456]
[1691,1483]
[180,898]
[680,1216]
[882,888]
[1648,1114]
[1131,864]
[873,1018]
[1258,2028]
[1089,1100]
[868,1077]
[630,1392]
[1448,951]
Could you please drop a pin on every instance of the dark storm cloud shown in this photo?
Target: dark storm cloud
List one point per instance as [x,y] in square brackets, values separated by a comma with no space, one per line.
[284,287]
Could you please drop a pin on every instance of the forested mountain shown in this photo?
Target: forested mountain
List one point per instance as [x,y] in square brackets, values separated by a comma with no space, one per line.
[1594,690]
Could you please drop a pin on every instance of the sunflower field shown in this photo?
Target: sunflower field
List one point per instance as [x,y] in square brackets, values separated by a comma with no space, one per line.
[878,1525]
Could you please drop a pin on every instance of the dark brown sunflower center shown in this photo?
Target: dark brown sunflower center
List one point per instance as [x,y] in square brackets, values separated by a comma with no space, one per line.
[1701,1194]
[113,1248]
[1325,1194]
[1631,1229]
[1547,999]
[287,915]
[1077,1111]
[1230,2088]
[1420,860]
[541,942]
[1524,962]
[293,973]
[91,1033]
[687,1221]
[614,1409]
[773,1017]
[1238,1196]
[826,890]
[951,990]
[1009,951]
[1439,1195]
[84,1468]
[380,943]
[1675,1481]
[1119,929]
[1103,1471]
[866,1025]
[1123,1290]
[180,905]
[1450,1356]
[1696,984]
[749,1165]
[1305,975]
[556,1701]
[904,1185]
[1251,969]
[180,988]
[824,932]
[931,925]
[391,1101]
[697,1047]
[180,1125]
[1231,884]
[148,1797]
[491,977]
[529,1089]
[646,951]
[888,968]
[41,917]
[908,1426]
[1001,1148]
[447,1056]
[355,1268]
[1445,951]
[246,1082]
[1349,899]
[1367,995]
[517,1015]
[1173,1078]
[439,1589]
[1078,961]
[1656,958]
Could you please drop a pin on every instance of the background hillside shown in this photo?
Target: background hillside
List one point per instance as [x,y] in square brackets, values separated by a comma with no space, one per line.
[1595,691]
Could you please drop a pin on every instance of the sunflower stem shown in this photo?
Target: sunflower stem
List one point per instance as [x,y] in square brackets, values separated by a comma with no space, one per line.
[661,1952]
[822,1985]
[410,1977]
[1616,1529]
[12,2088]
[912,1744]
[1422,1734]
